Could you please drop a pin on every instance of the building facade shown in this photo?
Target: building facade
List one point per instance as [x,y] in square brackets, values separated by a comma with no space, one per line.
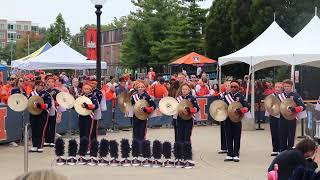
[11,31]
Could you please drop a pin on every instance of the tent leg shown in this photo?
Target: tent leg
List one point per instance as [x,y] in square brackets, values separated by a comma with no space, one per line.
[249,124]
[292,77]
[220,78]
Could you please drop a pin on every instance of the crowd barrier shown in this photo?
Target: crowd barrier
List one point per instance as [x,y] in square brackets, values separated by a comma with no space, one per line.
[11,123]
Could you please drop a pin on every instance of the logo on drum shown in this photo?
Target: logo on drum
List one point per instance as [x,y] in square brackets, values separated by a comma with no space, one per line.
[3,116]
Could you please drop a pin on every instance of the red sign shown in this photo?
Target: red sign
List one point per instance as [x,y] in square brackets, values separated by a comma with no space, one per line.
[91,41]
[3,115]
[202,102]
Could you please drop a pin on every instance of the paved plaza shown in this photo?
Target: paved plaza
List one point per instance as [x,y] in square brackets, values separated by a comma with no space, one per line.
[255,158]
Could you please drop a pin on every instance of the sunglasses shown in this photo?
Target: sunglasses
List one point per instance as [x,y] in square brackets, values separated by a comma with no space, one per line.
[234,86]
[21,81]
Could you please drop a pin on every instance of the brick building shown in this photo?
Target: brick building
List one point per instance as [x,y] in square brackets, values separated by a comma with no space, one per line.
[11,31]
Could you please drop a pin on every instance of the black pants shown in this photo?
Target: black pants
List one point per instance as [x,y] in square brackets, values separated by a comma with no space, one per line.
[175,129]
[233,132]
[51,129]
[139,128]
[86,127]
[223,136]
[287,133]
[274,129]
[184,130]
[38,123]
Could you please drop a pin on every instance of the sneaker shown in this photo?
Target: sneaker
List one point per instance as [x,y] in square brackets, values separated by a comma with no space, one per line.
[82,160]
[125,163]
[33,149]
[13,144]
[46,144]
[40,150]
[189,164]
[274,154]
[146,163]
[114,162]
[135,162]
[51,144]
[93,161]
[61,161]
[179,164]
[222,151]
[228,158]
[156,163]
[103,162]
[72,161]
[236,159]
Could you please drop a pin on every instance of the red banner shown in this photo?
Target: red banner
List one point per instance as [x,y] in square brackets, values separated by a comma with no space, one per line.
[91,43]
[3,116]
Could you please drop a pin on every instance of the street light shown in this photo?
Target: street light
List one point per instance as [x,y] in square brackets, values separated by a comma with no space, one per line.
[98,5]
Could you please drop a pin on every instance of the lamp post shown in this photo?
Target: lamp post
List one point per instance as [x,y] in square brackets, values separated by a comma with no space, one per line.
[98,5]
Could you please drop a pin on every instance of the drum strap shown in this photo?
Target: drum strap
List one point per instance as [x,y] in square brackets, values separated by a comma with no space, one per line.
[34,93]
[136,98]
[179,99]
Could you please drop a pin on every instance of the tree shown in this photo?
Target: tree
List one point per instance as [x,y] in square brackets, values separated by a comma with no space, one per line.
[8,53]
[35,42]
[58,31]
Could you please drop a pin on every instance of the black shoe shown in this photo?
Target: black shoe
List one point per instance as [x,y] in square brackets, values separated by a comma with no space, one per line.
[189,164]
[114,162]
[146,163]
[82,160]
[179,164]
[125,163]
[156,163]
[135,162]
[274,154]
[93,161]
[222,152]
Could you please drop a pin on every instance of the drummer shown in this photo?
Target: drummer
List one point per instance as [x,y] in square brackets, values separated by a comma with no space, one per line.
[185,126]
[139,125]
[38,122]
[51,126]
[87,123]
[233,129]
[18,87]
[288,127]
[97,111]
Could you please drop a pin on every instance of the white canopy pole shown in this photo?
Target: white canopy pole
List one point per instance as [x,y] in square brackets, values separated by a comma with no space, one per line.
[220,79]
[292,76]
[252,92]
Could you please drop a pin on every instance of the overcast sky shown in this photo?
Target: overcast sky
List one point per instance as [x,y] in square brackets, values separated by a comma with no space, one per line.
[75,12]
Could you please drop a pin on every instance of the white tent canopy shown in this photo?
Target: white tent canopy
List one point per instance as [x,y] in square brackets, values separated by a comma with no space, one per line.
[306,46]
[61,56]
[271,48]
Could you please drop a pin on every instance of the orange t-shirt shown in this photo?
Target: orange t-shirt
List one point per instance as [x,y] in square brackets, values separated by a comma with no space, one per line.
[5,93]
[160,91]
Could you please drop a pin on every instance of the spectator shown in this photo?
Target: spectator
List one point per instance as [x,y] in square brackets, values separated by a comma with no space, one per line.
[202,88]
[199,71]
[269,89]
[289,160]
[112,83]
[214,91]
[159,88]
[151,75]
[75,90]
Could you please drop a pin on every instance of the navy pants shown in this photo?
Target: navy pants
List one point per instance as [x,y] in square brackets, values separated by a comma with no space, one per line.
[275,130]
[38,123]
[233,132]
[87,125]
[51,129]
[175,128]
[139,128]
[223,136]
[287,133]
[184,130]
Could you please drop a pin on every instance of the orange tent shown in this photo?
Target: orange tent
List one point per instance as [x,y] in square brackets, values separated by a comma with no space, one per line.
[193,58]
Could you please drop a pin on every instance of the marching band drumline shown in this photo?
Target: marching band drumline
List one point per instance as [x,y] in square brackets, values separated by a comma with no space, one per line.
[283,108]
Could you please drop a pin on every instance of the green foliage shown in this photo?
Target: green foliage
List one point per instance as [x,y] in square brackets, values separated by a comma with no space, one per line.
[162,30]
[35,42]
[58,31]
[232,24]
[5,53]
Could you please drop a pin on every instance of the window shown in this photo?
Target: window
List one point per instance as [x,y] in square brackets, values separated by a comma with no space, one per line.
[12,36]
[2,26]
[2,35]
[19,27]
[26,27]
[11,27]
[18,36]
[3,45]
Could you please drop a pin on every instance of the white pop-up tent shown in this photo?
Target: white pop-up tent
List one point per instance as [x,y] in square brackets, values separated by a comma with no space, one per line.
[306,46]
[271,48]
[61,56]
